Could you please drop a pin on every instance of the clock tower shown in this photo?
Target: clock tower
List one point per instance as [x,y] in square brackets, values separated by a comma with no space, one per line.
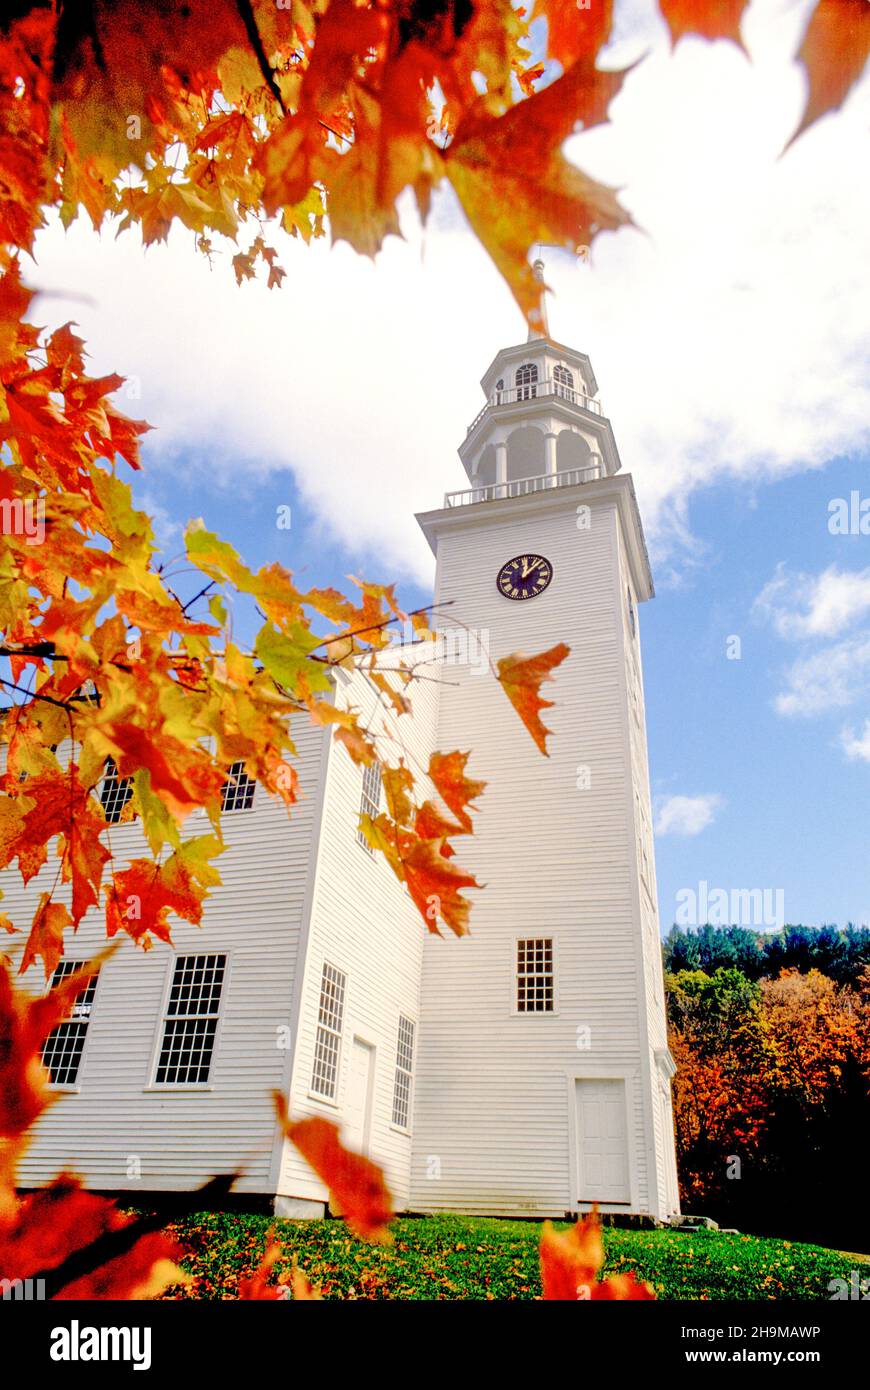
[543,1073]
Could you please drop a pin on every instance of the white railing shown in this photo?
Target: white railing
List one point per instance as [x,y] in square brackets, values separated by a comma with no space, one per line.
[536,390]
[520,487]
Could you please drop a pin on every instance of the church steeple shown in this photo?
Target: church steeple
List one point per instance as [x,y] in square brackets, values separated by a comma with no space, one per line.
[542,424]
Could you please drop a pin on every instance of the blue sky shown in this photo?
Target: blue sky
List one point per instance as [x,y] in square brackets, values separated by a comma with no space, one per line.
[729,341]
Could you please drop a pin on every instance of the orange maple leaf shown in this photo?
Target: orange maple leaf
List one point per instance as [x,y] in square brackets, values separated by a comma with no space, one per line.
[521,677]
[357,1190]
[718,21]
[256,1286]
[45,941]
[83,1246]
[575,31]
[447,771]
[571,1261]
[834,52]
[517,188]
[25,1023]
[434,883]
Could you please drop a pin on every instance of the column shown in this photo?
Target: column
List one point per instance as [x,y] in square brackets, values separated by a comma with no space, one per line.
[551,465]
[501,470]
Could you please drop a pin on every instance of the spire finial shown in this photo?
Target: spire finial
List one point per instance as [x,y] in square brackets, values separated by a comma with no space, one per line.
[543,329]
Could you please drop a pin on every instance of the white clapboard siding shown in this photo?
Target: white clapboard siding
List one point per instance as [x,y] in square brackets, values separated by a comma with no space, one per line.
[116,1129]
[363,923]
[494,1119]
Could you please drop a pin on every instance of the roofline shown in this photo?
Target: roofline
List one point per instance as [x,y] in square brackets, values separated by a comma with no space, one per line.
[521,349]
[618,487]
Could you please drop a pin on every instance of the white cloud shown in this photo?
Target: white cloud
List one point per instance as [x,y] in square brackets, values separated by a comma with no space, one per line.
[857,747]
[729,340]
[823,605]
[828,679]
[686,815]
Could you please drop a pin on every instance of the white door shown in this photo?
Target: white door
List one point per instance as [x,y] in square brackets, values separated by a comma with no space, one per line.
[602,1143]
[358,1096]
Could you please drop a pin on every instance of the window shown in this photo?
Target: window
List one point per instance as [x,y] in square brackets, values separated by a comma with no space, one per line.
[116,792]
[370,800]
[63,1048]
[632,620]
[564,382]
[526,377]
[499,388]
[535,975]
[404,1072]
[190,1024]
[328,1041]
[238,790]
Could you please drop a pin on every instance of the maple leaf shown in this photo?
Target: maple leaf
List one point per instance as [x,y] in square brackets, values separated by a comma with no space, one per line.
[256,1286]
[45,941]
[571,1261]
[718,21]
[181,774]
[434,883]
[83,1247]
[142,895]
[517,188]
[834,52]
[25,1023]
[357,1189]
[575,31]
[303,1289]
[521,677]
[447,771]
[50,804]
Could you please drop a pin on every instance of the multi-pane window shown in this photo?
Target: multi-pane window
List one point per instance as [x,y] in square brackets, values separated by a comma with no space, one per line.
[564,382]
[191,1019]
[238,789]
[324,1077]
[63,1048]
[404,1073]
[370,801]
[535,975]
[526,379]
[116,792]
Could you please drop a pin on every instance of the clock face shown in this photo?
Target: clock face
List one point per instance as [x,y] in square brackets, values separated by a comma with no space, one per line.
[525,576]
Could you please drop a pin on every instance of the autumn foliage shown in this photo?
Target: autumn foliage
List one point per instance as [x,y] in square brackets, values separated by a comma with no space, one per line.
[772,1085]
[214,117]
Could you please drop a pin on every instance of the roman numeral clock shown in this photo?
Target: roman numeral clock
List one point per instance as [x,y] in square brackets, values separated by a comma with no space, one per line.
[525,576]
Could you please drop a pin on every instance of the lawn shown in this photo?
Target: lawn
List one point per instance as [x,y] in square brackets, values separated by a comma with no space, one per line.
[454,1257]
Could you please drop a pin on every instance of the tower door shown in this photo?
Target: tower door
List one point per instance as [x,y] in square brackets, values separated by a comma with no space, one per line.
[358,1097]
[602,1142]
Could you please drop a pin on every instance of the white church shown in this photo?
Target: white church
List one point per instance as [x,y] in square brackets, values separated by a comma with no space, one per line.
[520,1071]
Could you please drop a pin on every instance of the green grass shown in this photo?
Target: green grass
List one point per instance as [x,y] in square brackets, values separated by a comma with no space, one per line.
[453,1257]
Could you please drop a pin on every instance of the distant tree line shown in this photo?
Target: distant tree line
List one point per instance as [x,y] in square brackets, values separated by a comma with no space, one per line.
[771,1036]
[841,953]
